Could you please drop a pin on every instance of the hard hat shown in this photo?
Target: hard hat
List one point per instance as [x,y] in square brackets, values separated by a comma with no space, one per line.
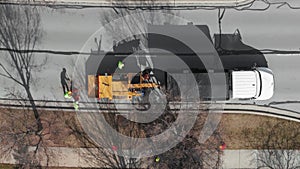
[157,159]
[120,65]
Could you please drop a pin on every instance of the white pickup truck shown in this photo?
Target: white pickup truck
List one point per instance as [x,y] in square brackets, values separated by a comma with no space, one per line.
[257,84]
[242,81]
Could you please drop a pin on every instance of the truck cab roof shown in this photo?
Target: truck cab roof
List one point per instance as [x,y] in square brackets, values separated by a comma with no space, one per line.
[245,84]
[256,84]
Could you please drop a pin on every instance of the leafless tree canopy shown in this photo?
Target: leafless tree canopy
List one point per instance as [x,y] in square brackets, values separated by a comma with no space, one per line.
[103,155]
[187,154]
[278,145]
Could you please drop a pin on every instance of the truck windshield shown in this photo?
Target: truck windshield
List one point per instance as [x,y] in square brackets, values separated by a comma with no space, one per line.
[260,83]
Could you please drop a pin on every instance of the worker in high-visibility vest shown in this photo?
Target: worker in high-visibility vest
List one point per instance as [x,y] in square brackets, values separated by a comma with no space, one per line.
[63,79]
[157,159]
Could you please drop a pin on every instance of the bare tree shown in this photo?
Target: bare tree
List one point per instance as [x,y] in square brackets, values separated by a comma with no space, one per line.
[99,150]
[277,145]
[189,153]
[105,155]
[20,32]
[28,149]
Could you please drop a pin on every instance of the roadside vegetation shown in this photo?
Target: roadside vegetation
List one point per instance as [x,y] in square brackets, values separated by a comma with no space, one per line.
[9,166]
[252,132]
[237,131]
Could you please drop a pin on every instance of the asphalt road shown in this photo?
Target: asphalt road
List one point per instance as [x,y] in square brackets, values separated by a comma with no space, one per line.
[69,29]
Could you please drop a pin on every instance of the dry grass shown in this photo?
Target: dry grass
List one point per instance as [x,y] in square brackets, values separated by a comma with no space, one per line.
[238,128]
[233,127]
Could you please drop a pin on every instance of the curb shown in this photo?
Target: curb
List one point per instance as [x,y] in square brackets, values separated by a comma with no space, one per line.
[131,3]
[228,108]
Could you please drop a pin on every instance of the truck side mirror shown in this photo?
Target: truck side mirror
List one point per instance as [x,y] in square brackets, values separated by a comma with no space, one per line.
[238,34]
[254,66]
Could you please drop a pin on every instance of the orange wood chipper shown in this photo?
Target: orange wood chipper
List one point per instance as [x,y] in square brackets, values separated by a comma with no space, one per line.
[118,86]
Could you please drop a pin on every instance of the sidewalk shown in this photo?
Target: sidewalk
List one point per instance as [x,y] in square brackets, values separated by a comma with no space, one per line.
[135,3]
[236,159]
[80,157]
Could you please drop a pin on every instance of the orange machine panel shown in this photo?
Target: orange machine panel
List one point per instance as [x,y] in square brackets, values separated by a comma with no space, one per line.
[105,87]
[92,86]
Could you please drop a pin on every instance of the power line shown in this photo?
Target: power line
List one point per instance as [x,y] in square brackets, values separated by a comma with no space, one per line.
[45,51]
